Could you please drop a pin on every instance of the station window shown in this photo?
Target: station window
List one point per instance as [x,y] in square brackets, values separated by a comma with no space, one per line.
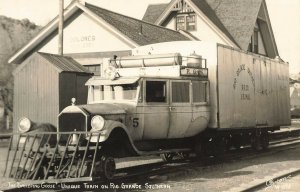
[156,91]
[199,91]
[180,22]
[180,92]
[186,22]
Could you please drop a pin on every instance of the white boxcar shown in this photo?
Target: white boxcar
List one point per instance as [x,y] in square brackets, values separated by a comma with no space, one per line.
[246,90]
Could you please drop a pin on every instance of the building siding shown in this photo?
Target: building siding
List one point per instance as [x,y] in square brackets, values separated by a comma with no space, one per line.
[84,35]
[36,92]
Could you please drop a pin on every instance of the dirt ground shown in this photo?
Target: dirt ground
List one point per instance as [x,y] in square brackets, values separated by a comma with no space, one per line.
[231,176]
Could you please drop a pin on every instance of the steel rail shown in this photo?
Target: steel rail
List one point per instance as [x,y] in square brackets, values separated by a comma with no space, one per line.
[163,168]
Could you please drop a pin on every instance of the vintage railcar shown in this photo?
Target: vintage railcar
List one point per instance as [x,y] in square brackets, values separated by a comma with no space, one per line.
[169,98]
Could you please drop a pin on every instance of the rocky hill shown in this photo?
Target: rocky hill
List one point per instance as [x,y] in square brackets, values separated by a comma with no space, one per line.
[13,35]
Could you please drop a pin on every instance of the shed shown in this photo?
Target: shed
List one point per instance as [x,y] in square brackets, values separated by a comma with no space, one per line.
[44,84]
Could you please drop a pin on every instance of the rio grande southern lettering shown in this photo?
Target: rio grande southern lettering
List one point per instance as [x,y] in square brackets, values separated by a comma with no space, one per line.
[245,95]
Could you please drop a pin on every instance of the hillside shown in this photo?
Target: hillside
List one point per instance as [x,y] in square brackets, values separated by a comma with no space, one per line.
[13,35]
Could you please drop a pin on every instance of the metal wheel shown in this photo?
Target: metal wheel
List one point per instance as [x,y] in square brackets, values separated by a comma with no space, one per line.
[219,147]
[236,141]
[108,167]
[200,149]
[264,141]
[167,157]
[255,142]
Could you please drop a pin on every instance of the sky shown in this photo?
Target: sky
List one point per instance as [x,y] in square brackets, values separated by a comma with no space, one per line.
[284,15]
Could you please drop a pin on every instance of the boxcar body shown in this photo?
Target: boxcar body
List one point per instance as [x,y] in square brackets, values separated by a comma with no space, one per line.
[246,90]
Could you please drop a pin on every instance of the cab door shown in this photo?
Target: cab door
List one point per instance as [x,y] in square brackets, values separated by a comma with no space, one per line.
[155,109]
[180,108]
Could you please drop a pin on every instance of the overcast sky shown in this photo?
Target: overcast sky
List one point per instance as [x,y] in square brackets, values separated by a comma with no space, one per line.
[284,14]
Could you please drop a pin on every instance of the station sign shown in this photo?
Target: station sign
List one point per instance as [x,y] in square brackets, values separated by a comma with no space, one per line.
[203,72]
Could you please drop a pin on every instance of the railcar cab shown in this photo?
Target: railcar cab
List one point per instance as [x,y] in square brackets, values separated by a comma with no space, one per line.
[165,96]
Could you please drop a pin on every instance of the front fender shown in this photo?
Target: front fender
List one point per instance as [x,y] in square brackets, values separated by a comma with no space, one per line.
[111,126]
[108,128]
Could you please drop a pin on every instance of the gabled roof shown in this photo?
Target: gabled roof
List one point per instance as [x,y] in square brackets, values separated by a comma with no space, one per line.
[238,17]
[152,15]
[141,32]
[132,31]
[210,13]
[60,63]
[64,63]
[154,11]
[235,18]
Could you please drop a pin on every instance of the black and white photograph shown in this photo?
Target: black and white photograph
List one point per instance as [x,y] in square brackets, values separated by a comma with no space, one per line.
[152,95]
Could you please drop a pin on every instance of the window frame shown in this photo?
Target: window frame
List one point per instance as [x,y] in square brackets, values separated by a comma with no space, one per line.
[91,94]
[144,92]
[253,46]
[206,94]
[186,15]
[171,93]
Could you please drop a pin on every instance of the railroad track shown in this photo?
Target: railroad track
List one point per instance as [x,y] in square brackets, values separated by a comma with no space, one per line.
[151,171]
[146,173]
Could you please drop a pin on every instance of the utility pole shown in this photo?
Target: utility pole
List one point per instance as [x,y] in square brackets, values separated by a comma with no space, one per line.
[61,28]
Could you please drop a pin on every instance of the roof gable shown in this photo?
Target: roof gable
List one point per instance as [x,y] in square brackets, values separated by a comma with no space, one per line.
[141,32]
[132,31]
[238,17]
[64,63]
[204,11]
[234,18]
[153,12]
[84,35]
[210,13]
[59,63]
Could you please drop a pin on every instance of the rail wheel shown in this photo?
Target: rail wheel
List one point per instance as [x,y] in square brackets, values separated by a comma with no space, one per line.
[264,140]
[219,147]
[108,167]
[237,142]
[167,157]
[199,149]
[256,142]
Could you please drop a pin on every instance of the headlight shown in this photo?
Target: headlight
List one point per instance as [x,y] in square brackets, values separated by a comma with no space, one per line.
[24,125]
[97,123]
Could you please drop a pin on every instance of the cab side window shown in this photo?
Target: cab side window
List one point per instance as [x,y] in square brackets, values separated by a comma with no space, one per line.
[156,91]
[199,91]
[180,92]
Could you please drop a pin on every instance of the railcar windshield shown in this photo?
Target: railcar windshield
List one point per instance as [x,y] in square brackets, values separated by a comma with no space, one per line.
[122,92]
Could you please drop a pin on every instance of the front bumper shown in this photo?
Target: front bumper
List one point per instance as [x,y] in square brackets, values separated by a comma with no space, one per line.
[46,155]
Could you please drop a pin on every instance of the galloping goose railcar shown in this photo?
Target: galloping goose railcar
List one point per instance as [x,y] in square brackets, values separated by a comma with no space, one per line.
[168,98]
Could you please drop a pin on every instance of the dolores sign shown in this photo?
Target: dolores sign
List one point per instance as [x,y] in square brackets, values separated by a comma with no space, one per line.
[83,41]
